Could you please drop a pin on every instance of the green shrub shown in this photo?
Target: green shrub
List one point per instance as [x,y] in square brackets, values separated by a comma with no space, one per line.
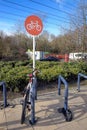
[15,73]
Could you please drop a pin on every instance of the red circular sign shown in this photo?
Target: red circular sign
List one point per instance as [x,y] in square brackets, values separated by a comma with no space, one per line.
[33,25]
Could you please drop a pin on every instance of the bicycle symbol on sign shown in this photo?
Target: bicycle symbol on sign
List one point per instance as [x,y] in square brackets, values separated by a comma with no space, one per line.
[33,25]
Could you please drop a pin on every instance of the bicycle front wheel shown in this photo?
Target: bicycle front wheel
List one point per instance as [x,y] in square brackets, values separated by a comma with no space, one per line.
[23,112]
[24,107]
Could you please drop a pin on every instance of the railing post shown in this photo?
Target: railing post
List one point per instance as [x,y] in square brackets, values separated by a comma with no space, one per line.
[66,98]
[65,110]
[60,78]
[78,81]
[32,99]
[32,120]
[59,84]
[3,84]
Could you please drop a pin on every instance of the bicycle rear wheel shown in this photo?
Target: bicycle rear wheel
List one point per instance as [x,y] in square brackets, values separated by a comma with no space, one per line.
[24,107]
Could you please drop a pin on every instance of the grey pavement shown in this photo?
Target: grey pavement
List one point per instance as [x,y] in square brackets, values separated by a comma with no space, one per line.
[46,112]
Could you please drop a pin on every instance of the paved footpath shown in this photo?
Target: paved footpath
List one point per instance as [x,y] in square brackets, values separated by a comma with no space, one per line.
[46,108]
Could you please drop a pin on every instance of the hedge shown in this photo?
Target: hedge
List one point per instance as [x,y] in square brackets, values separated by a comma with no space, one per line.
[15,73]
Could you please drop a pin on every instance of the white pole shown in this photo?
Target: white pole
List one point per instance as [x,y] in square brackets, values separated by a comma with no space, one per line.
[33,52]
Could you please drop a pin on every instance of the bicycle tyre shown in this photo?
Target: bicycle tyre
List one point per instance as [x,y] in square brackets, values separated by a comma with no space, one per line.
[24,107]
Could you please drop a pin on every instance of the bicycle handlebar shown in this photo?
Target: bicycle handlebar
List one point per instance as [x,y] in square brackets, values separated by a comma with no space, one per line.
[34,73]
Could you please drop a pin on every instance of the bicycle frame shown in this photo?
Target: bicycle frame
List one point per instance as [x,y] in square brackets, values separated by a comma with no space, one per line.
[32,95]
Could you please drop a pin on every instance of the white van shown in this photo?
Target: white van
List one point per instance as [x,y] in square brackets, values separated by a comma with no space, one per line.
[77,56]
[38,54]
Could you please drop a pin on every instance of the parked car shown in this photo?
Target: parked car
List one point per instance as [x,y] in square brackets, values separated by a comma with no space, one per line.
[50,58]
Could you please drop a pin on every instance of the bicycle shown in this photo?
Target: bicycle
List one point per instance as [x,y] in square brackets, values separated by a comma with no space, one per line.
[29,98]
[33,25]
[24,107]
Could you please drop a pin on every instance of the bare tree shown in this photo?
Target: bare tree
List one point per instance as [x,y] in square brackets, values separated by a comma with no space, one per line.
[79,24]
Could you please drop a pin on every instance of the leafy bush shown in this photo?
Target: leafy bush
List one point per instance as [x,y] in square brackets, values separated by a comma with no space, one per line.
[15,73]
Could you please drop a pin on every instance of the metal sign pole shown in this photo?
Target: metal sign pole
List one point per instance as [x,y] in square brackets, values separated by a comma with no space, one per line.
[33,52]
[34,26]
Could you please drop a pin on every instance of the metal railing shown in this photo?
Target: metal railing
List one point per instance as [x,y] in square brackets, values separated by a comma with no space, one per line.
[33,97]
[3,84]
[78,81]
[60,78]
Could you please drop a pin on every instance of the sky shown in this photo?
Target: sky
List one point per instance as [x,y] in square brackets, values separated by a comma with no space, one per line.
[55,14]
